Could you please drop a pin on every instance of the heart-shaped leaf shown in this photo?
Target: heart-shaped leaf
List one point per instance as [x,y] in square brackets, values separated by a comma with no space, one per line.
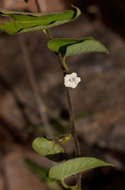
[25,22]
[68,47]
[74,166]
[46,147]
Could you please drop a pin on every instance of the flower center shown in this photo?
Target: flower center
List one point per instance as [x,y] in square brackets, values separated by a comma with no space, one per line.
[72,79]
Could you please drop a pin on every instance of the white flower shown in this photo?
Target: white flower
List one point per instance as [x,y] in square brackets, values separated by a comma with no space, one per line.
[71,80]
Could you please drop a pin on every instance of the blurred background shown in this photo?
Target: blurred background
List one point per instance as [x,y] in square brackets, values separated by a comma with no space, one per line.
[98,102]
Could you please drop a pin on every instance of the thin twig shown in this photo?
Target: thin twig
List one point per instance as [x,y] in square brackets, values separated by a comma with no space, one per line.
[38,6]
[33,82]
[72,126]
[41,5]
[65,71]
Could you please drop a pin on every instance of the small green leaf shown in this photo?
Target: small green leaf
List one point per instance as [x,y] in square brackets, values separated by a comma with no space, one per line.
[74,166]
[68,47]
[46,147]
[65,139]
[25,22]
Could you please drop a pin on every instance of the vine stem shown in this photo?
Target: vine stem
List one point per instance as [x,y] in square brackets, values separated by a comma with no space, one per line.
[65,71]
[72,120]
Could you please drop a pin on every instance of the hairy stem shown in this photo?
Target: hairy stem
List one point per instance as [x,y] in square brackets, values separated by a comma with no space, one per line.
[63,64]
[72,125]
[65,70]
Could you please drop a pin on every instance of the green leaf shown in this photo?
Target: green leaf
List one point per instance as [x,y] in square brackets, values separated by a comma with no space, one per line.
[74,166]
[41,172]
[68,47]
[25,22]
[46,147]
